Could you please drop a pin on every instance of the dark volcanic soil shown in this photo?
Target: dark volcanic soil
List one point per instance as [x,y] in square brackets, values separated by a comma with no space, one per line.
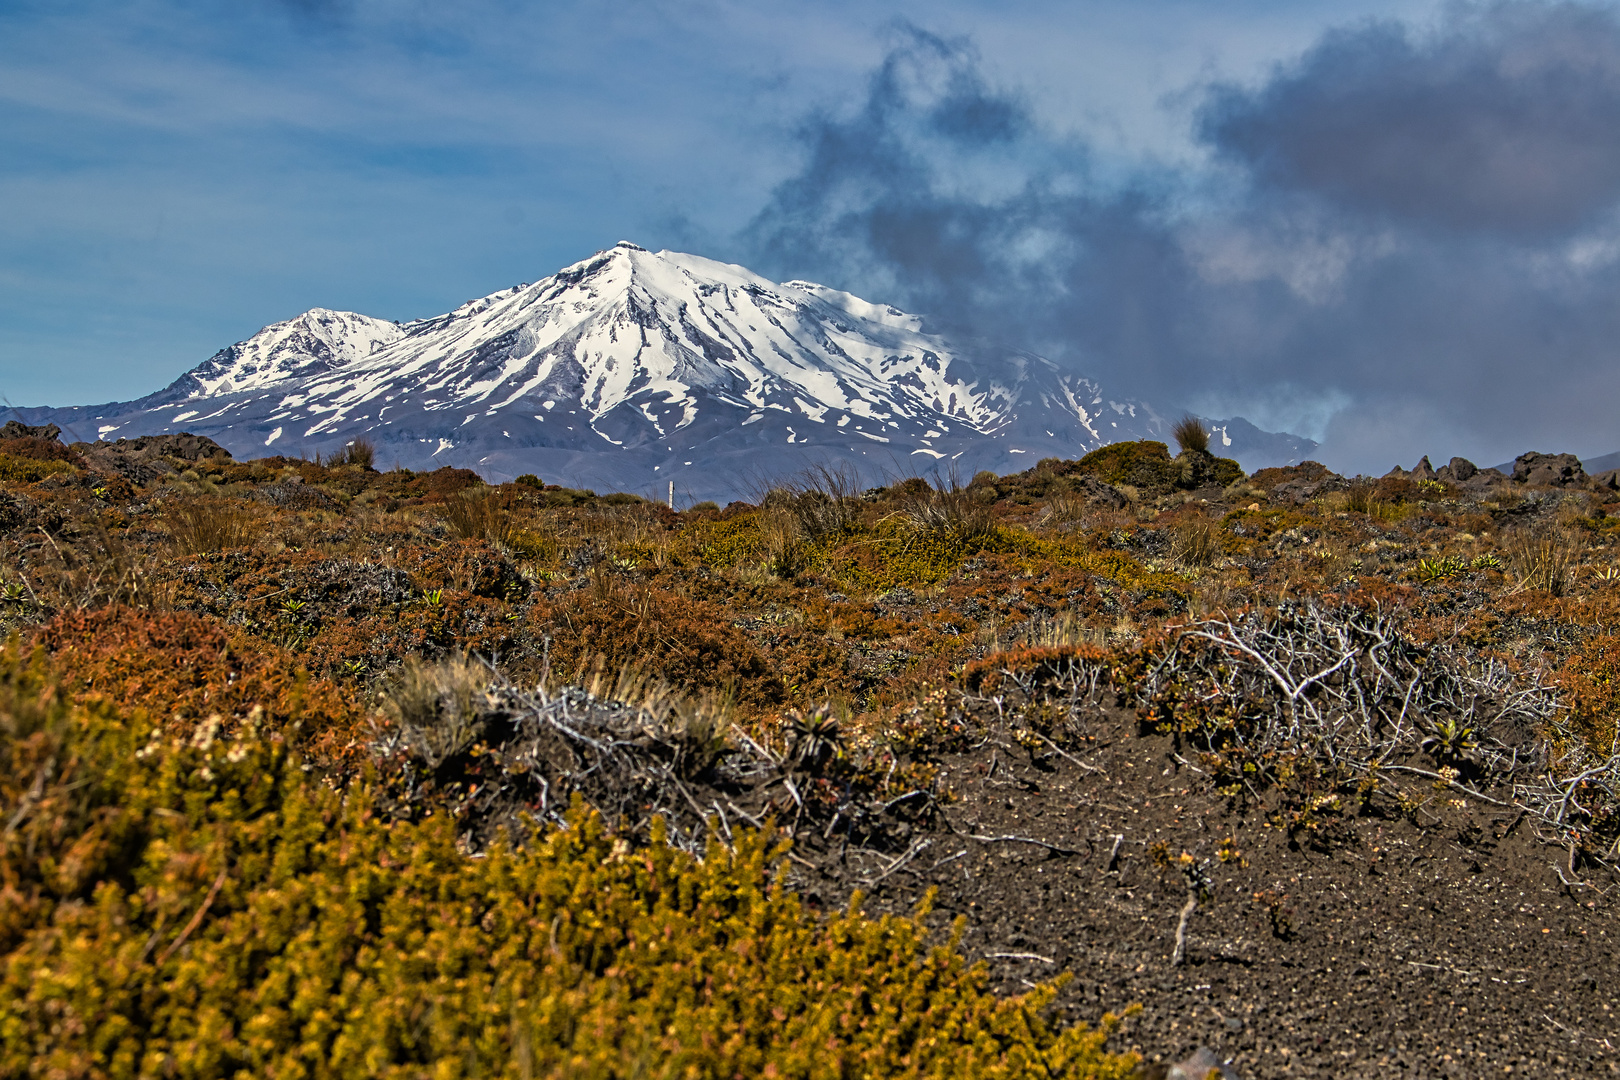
[1377,948]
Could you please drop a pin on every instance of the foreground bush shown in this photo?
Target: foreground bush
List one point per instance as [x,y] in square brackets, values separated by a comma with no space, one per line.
[204,908]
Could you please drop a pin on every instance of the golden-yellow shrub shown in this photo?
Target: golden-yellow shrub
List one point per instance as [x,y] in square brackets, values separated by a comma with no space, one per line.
[205,908]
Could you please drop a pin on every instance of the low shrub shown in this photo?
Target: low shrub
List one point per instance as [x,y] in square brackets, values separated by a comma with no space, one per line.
[903,551]
[37,449]
[1145,465]
[1309,471]
[1591,680]
[204,908]
[690,643]
[176,670]
[31,470]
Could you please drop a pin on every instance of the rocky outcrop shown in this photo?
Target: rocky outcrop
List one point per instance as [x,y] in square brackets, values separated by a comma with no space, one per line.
[1456,471]
[1298,483]
[1548,470]
[14,430]
[144,459]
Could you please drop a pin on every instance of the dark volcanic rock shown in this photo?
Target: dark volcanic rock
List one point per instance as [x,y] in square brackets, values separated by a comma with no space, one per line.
[15,430]
[1457,470]
[1094,490]
[148,457]
[1423,470]
[1299,483]
[1548,470]
[182,445]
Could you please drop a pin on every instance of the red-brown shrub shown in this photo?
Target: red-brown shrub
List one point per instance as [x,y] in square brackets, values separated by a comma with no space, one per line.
[179,669]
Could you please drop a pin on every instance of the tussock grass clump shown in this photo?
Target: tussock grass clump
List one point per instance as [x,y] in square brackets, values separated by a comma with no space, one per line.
[1197,541]
[435,706]
[826,499]
[1190,434]
[1544,561]
[362,452]
[481,513]
[209,524]
[950,509]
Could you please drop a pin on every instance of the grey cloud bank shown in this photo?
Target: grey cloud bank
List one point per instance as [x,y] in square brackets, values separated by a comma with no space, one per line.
[1506,120]
[1409,245]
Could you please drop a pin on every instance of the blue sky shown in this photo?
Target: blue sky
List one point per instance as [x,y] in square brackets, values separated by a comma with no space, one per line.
[1245,180]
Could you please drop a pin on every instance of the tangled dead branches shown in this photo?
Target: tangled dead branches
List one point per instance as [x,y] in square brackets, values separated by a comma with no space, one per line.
[1347,699]
[504,760]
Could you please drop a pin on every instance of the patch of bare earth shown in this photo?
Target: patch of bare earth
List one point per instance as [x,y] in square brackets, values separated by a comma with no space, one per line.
[1448,943]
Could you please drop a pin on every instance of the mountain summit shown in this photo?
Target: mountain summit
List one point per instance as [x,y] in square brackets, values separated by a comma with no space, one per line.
[634,368]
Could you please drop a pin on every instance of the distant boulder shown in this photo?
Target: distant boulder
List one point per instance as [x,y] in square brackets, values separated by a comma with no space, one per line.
[146,458]
[1298,483]
[1457,471]
[1423,470]
[1608,480]
[1202,1064]
[1308,471]
[183,445]
[1548,470]
[1465,473]
[14,430]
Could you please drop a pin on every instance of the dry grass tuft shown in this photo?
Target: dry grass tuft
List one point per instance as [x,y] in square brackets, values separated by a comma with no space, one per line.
[1190,435]
[1544,561]
[436,706]
[361,451]
[824,500]
[695,724]
[1197,541]
[950,509]
[1064,630]
[209,524]
[481,513]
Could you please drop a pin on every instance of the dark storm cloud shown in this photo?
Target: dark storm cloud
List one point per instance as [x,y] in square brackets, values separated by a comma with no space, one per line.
[1471,323]
[1508,118]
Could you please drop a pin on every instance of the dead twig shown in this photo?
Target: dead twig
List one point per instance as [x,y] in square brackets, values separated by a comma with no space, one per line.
[911,853]
[196,920]
[1019,956]
[1053,848]
[1449,782]
[1187,910]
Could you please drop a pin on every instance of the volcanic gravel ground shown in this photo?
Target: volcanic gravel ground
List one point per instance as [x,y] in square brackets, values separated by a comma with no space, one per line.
[1373,948]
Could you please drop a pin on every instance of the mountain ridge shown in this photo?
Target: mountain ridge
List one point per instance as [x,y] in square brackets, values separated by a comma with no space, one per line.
[632,369]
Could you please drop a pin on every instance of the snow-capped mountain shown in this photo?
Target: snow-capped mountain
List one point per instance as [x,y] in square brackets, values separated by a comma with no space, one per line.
[632,369]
